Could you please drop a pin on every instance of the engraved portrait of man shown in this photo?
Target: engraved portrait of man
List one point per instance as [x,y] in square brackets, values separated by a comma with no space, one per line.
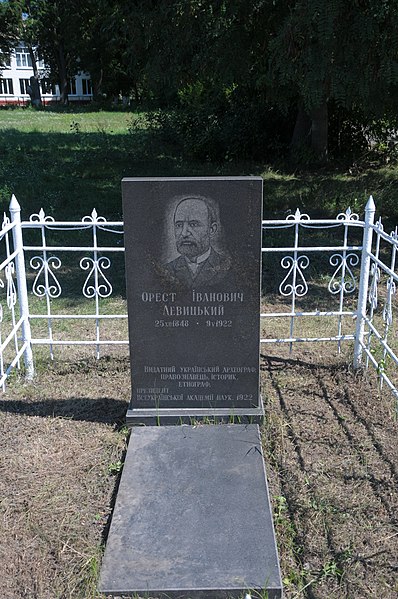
[196,228]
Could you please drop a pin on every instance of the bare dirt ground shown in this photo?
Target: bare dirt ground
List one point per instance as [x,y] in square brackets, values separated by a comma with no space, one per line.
[331,445]
[330,441]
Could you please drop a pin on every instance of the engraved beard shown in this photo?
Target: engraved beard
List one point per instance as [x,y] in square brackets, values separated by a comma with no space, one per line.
[190,248]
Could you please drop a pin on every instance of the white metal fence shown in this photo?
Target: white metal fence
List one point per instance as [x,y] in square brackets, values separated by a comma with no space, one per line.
[62,284]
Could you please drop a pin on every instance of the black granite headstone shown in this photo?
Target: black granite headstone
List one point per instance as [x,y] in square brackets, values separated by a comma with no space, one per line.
[193,254]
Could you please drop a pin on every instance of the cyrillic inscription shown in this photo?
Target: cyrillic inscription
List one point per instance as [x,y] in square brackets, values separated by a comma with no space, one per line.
[193,249]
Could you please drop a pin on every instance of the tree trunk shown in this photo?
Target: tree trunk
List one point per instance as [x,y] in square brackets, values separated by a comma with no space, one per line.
[302,130]
[319,131]
[97,84]
[136,93]
[35,85]
[63,74]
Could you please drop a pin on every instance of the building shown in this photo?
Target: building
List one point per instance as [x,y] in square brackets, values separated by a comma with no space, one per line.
[14,80]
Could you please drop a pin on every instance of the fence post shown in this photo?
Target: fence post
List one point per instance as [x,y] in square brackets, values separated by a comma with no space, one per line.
[370,210]
[15,213]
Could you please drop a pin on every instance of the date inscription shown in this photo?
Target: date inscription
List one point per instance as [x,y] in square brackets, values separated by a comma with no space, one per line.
[171,323]
[219,323]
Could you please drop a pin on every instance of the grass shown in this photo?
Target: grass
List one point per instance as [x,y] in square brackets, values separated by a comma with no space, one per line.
[70,162]
[329,445]
[314,444]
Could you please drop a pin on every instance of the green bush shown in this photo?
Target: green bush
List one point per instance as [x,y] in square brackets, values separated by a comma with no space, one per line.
[226,125]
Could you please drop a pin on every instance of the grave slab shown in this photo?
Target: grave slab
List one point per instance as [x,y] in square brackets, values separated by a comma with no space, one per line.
[192,517]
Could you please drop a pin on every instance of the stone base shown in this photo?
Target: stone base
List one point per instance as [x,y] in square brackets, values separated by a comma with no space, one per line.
[153,416]
[192,517]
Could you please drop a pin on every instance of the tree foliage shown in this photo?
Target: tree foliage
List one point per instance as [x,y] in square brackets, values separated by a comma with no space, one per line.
[332,51]
[57,27]
[221,61]
[302,55]
[10,28]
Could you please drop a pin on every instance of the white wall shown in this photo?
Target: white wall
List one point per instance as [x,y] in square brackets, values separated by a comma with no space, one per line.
[20,69]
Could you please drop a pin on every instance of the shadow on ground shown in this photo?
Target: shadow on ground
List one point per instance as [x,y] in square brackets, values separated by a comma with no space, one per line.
[329,440]
[103,409]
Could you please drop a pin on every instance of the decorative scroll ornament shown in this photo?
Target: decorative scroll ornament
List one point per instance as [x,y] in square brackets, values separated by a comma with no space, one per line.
[49,286]
[373,289]
[298,286]
[6,221]
[343,278]
[94,218]
[11,290]
[348,215]
[99,222]
[391,285]
[379,225]
[95,287]
[387,310]
[1,306]
[41,217]
[297,216]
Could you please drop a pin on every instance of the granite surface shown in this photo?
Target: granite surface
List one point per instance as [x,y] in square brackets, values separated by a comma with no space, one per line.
[193,255]
[192,517]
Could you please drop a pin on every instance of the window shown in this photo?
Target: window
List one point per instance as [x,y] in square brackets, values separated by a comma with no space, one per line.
[6,86]
[47,87]
[23,57]
[72,86]
[23,84]
[86,85]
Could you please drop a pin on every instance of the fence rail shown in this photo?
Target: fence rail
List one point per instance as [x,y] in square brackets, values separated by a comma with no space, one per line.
[340,273]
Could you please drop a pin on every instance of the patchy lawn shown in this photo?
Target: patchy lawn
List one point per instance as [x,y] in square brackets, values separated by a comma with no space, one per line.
[330,441]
